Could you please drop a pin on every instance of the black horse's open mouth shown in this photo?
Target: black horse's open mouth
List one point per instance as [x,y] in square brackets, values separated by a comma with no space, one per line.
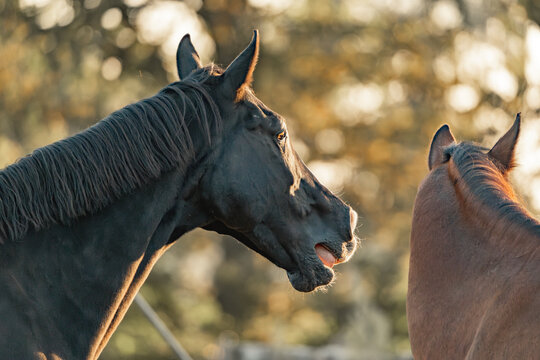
[326,256]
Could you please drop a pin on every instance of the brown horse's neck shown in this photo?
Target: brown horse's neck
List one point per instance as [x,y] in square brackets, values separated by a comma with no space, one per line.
[67,288]
[471,264]
[455,237]
[496,212]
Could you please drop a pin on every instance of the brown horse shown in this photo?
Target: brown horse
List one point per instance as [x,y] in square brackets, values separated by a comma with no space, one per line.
[474,278]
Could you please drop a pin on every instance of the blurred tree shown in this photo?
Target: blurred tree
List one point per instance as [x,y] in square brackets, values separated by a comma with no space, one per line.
[364,85]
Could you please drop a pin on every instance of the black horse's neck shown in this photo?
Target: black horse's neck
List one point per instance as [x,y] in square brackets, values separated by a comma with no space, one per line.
[66,288]
[71,291]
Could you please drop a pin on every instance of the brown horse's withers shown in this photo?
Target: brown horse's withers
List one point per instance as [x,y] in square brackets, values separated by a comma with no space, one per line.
[474,277]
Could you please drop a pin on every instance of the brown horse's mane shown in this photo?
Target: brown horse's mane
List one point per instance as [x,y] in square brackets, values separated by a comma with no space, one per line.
[485,193]
[86,172]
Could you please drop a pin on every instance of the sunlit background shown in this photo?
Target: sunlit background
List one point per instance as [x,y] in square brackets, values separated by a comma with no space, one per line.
[364,84]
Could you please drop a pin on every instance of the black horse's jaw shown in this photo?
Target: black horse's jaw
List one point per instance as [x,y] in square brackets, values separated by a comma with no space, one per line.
[305,277]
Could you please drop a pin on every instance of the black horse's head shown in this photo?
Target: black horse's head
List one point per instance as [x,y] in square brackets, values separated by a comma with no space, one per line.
[258,190]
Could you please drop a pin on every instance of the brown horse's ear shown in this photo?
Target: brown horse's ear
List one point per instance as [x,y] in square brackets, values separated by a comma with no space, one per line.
[239,74]
[442,138]
[187,59]
[503,151]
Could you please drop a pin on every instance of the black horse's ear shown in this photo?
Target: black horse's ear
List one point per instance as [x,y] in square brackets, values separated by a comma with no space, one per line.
[239,73]
[503,151]
[187,59]
[442,138]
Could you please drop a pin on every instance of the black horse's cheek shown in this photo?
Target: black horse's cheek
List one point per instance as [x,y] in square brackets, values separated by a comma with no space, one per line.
[307,282]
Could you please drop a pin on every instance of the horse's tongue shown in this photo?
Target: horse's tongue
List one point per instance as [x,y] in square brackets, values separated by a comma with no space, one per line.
[326,256]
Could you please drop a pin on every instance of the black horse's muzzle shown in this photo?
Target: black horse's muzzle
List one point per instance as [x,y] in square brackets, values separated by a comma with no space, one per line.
[329,246]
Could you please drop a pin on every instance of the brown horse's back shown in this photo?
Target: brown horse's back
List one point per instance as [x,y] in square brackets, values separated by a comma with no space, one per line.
[474,278]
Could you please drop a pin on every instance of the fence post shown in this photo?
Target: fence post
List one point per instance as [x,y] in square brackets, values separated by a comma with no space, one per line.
[161,328]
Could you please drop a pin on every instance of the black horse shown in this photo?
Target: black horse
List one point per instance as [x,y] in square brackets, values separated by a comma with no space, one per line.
[83,220]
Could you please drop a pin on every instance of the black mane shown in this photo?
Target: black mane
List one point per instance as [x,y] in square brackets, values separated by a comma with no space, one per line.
[84,173]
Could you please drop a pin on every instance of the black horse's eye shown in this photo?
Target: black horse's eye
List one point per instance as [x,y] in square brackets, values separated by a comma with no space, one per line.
[281,135]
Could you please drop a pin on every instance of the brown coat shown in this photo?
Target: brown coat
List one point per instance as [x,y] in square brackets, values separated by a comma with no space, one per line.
[474,276]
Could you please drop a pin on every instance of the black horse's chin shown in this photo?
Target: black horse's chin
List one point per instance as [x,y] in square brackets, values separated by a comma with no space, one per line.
[307,281]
